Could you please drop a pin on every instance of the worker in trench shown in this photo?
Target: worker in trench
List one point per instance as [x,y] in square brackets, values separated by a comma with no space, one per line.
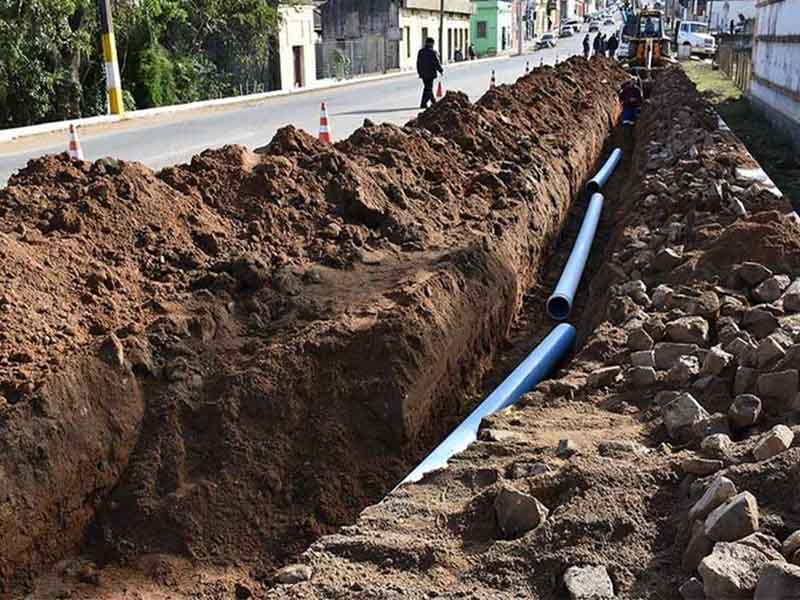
[428,68]
[630,96]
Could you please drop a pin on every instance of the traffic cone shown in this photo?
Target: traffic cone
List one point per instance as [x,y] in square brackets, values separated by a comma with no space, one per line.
[527,67]
[440,91]
[75,150]
[324,127]
[541,62]
[493,81]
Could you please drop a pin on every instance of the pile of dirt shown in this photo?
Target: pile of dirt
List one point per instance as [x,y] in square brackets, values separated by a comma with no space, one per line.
[230,358]
[602,475]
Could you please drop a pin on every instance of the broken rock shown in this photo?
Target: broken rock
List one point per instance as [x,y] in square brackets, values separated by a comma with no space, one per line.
[589,583]
[716,361]
[294,574]
[791,298]
[680,416]
[517,512]
[777,440]
[769,350]
[720,490]
[603,377]
[771,288]
[688,330]
[735,519]
[692,589]
[731,572]
[639,339]
[782,385]
[641,377]
[753,273]
[778,581]
[668,353]
[745,411]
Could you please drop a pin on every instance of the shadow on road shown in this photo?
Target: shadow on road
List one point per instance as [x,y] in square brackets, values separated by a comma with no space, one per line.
[370,111]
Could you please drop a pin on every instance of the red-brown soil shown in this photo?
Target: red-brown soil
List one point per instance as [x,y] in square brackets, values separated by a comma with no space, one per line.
[621,500]
[224,361]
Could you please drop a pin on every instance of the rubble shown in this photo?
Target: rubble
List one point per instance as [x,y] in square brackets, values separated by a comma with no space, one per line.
[776,440]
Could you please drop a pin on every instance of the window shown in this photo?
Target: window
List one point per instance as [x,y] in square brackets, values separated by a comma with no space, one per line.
[424,35]
[482,34]
[407,33]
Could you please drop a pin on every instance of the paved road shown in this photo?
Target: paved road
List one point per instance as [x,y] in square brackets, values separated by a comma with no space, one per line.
[163,141]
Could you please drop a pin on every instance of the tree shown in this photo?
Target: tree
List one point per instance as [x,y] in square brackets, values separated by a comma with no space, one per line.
[170,51]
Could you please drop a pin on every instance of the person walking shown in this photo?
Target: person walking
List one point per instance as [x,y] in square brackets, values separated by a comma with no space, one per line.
[428,68]
[596,43]
[613,44]
[586,47]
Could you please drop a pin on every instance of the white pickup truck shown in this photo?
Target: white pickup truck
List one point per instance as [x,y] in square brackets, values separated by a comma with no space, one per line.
[695,35]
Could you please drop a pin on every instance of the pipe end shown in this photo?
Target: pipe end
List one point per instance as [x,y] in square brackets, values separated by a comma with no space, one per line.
[593,187]
[559,307]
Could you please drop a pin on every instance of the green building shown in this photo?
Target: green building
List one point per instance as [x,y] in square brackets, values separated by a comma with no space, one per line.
[492,27]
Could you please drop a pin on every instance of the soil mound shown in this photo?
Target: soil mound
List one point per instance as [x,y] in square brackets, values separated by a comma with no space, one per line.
[282,330]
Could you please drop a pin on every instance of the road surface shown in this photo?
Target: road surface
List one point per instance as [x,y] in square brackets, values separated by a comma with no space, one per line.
[172,139]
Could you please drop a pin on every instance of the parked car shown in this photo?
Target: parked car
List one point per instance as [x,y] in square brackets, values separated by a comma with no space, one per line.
[548,40]
[566,31]
[608,21]
[594,26]
[695,35]
[575,24]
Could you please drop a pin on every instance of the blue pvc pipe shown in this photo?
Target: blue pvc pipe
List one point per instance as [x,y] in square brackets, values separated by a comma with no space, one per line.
[597,182]
[559,305]
[538,365]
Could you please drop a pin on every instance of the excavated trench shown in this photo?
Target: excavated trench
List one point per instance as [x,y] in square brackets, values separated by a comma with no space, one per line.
[246,404]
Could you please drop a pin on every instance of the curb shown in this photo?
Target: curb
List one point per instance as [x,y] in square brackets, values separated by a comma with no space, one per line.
[9,135]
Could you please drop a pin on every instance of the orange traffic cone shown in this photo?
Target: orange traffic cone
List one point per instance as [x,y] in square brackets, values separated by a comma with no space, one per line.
[324,128]
[75,150]
[493,82]
[439,90]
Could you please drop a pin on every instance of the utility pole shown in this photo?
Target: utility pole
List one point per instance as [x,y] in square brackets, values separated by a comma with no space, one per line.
[113,78]
[441,30]
[520,32]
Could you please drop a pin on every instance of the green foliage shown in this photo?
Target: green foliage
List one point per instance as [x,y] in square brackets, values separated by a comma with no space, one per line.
[156,78]
[170,51]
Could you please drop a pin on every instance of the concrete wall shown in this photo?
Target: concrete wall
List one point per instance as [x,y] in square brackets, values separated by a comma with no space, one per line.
[415,23]
[297,30]
[721,12]
[775,80]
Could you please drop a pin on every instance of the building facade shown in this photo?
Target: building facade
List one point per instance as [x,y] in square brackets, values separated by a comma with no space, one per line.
[492,27]
[775,78]
[296,46]
[722,13]
[377,36]
[419,19]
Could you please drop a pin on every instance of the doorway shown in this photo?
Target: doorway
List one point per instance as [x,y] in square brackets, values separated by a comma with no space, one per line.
[299,71]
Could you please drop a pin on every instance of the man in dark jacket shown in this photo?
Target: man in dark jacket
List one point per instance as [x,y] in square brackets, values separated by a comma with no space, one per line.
[613,44]
[586,47]
[428,69]
[596,45]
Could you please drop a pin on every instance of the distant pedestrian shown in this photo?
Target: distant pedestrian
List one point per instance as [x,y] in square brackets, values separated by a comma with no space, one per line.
[586,47]
[613,44]
[596,44]
[471,52]
[428,68]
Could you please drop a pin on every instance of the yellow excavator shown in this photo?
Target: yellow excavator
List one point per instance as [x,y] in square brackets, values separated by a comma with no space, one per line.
[649,48]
